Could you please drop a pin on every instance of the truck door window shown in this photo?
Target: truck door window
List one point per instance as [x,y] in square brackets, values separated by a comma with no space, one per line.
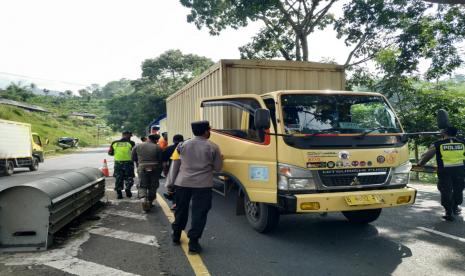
[36,140]
[234,117]
[270,104]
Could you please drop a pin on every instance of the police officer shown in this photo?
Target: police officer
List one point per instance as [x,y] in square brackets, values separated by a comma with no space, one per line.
[168,152]
[124,167]
[148,157]
[193,181]
[450,157]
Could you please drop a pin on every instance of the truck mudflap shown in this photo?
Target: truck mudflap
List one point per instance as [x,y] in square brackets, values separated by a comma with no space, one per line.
[349,201]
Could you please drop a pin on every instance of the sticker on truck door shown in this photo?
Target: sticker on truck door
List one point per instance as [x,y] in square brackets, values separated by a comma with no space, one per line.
[258,173]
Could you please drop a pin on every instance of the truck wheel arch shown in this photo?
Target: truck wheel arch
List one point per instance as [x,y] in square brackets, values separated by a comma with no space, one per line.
[242,192]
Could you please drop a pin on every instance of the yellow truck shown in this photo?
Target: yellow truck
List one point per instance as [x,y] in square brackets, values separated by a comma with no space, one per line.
[308,147]
[19,147]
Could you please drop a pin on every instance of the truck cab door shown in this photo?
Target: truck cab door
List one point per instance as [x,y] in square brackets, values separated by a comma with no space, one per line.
[37,147]
[249,154]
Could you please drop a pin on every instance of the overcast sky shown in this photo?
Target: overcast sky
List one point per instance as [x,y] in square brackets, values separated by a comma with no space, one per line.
[69,44]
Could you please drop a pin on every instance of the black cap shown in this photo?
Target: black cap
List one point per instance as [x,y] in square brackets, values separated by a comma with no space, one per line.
[127,132]
[200,127]
[154,137]
[450,131]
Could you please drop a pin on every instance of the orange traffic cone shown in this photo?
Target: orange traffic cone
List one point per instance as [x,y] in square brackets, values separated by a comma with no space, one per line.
[105,170]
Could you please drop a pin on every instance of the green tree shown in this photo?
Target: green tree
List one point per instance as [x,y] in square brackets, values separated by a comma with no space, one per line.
[171,70]
[95,90]
[122,86]
[403,32]
[68,93]
[288,23]
[161,77]
[18,92]
[85,94]
[412,27]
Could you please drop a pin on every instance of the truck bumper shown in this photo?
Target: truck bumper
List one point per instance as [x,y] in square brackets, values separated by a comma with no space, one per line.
[334,202]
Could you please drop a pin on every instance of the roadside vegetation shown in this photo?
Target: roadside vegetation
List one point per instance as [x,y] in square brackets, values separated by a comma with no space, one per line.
[58,123]
[390,42]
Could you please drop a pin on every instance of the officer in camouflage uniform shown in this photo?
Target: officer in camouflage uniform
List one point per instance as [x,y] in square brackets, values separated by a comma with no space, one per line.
[124,167]
[450,157]
[148,157]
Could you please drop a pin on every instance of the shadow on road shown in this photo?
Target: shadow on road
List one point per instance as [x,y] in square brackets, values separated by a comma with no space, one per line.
[301,245]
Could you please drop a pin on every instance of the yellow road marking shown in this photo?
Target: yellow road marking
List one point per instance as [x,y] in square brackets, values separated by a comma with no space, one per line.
[195,261]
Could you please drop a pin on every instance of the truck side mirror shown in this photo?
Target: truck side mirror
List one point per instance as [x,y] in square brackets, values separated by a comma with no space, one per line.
[262,118]
[443,119]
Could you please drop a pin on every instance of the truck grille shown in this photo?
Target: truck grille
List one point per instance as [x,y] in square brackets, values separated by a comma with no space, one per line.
[351,177]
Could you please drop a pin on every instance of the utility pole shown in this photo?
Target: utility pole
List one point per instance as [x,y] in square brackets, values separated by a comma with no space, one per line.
[98,134]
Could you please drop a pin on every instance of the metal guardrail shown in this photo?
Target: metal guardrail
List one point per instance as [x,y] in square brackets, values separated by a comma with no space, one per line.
[32,212]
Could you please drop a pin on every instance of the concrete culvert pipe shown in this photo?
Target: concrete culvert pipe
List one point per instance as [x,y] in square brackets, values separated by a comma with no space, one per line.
[32,212]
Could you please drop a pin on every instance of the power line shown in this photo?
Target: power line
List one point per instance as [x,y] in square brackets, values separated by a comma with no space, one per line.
[42,79]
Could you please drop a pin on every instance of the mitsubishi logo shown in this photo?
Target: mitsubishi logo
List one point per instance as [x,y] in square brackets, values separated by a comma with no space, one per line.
[355,182]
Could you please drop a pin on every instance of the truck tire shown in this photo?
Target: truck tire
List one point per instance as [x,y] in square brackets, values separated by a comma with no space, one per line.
[35,164]
[262,217]
[362,216]
[10,168]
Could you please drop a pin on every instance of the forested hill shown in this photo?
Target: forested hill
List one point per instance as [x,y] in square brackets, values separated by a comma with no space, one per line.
[59,122]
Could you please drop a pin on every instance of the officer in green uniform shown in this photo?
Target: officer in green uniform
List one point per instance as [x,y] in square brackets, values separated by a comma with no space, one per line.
[124,166]
[450,157]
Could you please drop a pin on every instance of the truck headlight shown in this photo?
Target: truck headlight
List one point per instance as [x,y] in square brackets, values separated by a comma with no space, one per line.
[401,174]
[293,178]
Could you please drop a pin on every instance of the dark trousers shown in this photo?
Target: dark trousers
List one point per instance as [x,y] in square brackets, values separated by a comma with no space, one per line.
[149,182]
[201,204]
[124,174]
[451,184]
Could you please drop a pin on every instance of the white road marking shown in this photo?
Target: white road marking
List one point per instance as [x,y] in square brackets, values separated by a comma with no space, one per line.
[80,267]
[125,214]
[442,234]
[133,189]
[70,249]
[126,236]
[116,202]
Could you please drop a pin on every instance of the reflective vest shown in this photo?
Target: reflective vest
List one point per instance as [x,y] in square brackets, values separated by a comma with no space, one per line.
[122,151]
[450,153]
[175,155]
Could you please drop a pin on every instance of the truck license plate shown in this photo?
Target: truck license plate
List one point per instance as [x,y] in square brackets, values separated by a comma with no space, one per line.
[363,200]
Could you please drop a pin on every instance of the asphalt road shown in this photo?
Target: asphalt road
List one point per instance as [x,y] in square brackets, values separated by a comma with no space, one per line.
[89,157]
[403,241]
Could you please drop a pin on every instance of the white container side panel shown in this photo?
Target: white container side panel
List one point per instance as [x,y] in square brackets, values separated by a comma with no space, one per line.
[182,109]
[15,140]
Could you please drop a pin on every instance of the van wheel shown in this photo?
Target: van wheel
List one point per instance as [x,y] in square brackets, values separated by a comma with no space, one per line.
[362,216]
[263,217]
[10,168]
[35,164]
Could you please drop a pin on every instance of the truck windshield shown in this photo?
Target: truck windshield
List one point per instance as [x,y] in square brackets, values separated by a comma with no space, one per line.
[319,113]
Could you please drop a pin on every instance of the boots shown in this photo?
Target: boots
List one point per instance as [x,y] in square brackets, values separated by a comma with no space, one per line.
[448,217]
[176,238]
[457,210]
[194,246]
[120,195]
[146,206]
[128,193]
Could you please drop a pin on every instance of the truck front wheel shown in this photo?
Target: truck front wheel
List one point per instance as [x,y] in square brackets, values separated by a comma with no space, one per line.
[263,217]
[362,216]
[35,164]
